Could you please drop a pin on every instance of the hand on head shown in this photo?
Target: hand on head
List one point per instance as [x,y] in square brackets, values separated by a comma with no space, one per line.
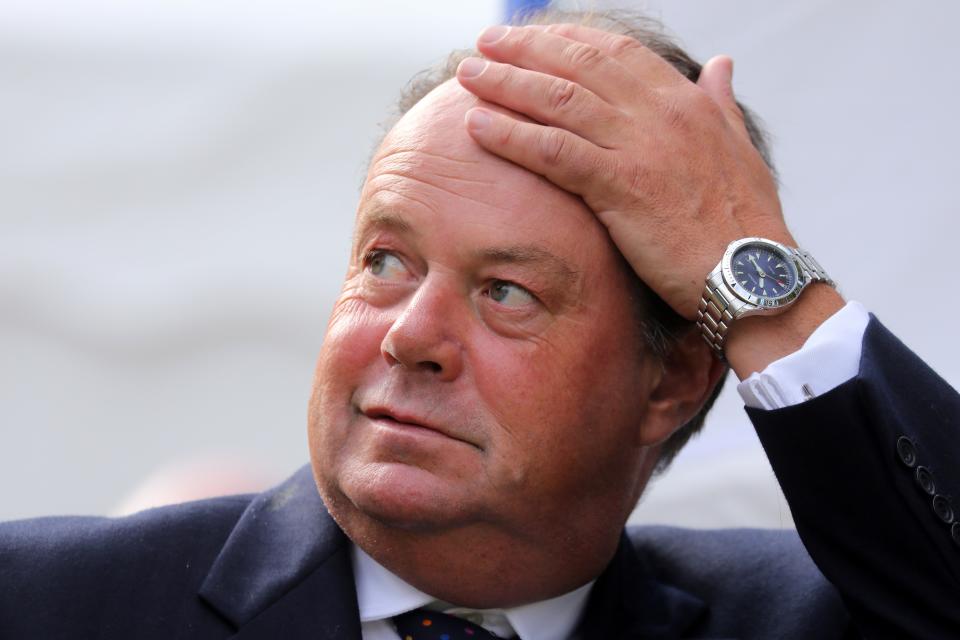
[667,165]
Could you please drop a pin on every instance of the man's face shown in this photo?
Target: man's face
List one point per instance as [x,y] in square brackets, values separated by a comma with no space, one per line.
[481,367]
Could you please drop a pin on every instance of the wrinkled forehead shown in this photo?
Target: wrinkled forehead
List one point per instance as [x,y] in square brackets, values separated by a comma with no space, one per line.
[430,142]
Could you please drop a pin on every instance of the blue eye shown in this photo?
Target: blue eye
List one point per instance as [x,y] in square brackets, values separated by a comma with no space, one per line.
[509,294]
[385,265]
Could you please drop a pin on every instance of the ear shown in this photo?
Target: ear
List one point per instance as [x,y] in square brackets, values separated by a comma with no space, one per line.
[690,372]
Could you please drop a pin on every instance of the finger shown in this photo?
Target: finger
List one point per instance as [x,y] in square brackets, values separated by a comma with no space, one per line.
[562,157]
[716,79]
[580,62]
[547,99]
[631,53]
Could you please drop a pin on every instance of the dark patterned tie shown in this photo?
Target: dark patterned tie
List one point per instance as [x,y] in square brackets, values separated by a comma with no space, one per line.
[422,624]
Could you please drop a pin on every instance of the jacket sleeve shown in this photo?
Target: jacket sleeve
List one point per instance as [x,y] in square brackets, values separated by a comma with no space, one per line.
[871,471]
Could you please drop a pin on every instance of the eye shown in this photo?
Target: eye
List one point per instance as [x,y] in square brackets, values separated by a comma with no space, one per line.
[509,294]
[384,265]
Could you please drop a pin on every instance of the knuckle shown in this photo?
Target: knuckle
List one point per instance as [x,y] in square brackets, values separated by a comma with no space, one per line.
[612,121]
[585,56]
[553,147]
[507,135]
[562,29]
[500,76]
[520,37]
[560,93]
[619,45]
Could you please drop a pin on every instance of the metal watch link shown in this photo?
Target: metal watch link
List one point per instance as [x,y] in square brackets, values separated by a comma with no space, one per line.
[755,276]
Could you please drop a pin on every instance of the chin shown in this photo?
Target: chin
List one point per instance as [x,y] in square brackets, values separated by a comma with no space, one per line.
[393,495]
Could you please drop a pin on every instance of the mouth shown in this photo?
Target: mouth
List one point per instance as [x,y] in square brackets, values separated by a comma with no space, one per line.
[396,419]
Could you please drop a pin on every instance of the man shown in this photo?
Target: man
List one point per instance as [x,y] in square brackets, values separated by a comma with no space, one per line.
[489,405]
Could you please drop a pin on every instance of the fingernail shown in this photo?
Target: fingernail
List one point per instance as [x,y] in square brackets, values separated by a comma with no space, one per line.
[492,34]
[478,120]
[472,67]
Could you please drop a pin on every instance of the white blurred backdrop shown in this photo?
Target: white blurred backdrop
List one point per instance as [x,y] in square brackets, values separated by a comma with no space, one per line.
[177,186]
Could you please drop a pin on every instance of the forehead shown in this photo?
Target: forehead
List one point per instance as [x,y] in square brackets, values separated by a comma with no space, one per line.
[428,161]
[430,145]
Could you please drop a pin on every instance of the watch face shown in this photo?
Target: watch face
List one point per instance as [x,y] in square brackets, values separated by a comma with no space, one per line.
[764,271]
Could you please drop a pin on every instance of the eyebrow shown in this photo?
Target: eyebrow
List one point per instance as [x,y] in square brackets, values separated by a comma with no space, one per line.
[531,255]
[378,218]
[536,256]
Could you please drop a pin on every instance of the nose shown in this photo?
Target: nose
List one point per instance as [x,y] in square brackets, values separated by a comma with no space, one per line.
[425,336]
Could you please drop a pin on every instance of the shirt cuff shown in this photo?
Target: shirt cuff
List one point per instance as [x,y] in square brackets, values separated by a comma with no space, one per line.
[829,357]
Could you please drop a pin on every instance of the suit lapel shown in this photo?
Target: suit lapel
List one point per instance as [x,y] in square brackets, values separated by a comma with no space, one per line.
[628,602]
[285,570]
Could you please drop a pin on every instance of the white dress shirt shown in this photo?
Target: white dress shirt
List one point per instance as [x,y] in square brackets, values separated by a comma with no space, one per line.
[829,357]
[381,595]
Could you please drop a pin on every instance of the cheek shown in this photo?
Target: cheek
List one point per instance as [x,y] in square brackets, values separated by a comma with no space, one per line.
[568,406]
[560,375]
[351,350]
[516,382]
[352,342]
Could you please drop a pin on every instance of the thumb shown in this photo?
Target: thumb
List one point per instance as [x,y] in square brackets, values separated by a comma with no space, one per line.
[716,78]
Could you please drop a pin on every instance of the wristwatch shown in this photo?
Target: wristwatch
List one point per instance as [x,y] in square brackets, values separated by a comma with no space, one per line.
[755,276]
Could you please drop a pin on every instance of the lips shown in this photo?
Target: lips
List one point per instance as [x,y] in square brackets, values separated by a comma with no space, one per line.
[402,418]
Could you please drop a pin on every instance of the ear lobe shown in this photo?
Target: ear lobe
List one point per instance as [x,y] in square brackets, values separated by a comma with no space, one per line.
[690,372]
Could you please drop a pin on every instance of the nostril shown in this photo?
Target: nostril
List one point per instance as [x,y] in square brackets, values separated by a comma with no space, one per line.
[425,353]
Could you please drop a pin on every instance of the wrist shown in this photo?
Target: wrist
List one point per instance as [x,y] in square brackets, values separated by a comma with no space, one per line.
[754,342]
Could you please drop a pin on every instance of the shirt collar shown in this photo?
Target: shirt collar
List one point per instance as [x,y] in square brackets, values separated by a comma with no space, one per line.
[553,619]
[382,595]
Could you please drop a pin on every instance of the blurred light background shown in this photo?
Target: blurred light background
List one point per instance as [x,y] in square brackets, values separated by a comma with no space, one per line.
[178,180]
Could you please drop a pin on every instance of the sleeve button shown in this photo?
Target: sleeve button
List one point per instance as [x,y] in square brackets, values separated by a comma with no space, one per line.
[941,506]
[907,451]
[925,480]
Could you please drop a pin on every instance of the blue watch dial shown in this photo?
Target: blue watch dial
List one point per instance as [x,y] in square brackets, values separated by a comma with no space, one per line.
[763,271]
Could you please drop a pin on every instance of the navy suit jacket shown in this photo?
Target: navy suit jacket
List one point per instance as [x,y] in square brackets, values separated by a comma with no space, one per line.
[275,565]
